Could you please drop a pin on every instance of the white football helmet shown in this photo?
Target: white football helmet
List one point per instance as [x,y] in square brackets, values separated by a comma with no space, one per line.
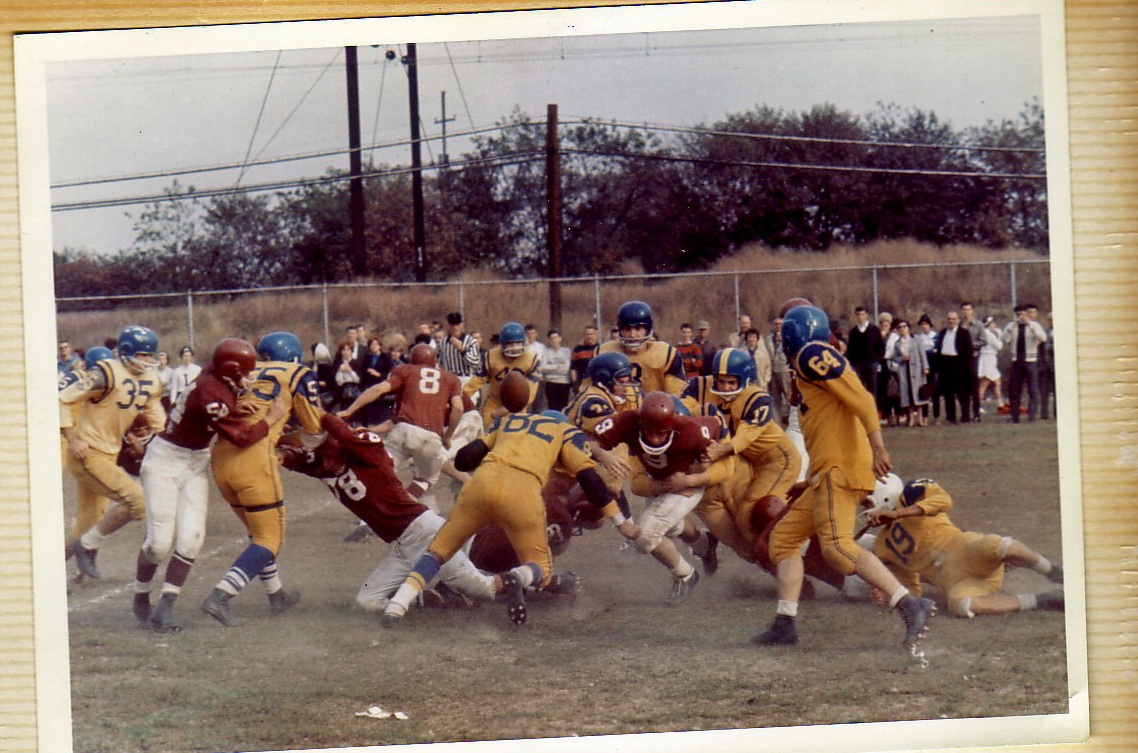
[887,492]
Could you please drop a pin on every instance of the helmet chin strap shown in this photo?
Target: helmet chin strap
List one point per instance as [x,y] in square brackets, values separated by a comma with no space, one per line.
[657,450]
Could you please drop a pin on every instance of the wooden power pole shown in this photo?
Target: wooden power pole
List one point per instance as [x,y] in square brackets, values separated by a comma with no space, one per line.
[553,213]
[416,165]
[356,186]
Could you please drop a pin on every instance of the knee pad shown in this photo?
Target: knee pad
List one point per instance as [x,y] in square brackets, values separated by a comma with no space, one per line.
[371,604]
[647,541]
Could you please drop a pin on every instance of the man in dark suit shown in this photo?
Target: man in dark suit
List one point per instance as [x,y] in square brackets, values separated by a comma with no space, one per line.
[865,349]
[954,368]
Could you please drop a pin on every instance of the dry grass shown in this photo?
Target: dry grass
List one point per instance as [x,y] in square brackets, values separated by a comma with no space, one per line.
[765,279]
[614,661]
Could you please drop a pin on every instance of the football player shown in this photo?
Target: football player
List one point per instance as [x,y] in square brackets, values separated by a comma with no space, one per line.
[513,462]
[920,544]
[509,355]
[429,411]
[249,477]
[768,461]
[359,471]
[88,515]
[656,365]
[667,450]
[175,474]
[846,450]
[112,395]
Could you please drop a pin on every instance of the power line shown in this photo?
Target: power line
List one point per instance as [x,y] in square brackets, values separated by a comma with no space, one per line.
[257,124]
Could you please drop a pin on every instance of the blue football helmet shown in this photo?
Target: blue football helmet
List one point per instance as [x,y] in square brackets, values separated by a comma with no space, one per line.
[96,354]
[734,362]
[135,344]
[512,339]
[606,368]
[280,346]
[801,325]
[634,314]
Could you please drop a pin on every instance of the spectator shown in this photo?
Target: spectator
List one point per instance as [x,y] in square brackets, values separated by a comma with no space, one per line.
[755,348]
[739,339]
[780,372]
[988,368]
[1024,336]
[583,352]
[165,376]
[555,366]
[458,352]
[347,376]
[885,388]
[1047,372]
[703,337]
[532,343]
[537,347]
[614,334]
[954,365]
[864,348]
[927,338]
[376,367]
[907,360]
[184,373]
[68,360]
[976,330]
[690,351]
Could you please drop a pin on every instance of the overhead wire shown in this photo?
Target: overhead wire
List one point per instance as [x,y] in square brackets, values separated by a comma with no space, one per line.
[257,124]
[458,83]
[303,97]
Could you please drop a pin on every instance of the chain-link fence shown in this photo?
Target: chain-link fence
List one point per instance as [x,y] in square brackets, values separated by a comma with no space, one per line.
[319,313]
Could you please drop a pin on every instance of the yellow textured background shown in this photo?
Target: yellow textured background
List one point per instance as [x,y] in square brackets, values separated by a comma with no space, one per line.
[1102,50]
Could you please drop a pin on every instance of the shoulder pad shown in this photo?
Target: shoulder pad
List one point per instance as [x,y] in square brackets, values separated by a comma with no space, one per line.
[819,362]
[757,409]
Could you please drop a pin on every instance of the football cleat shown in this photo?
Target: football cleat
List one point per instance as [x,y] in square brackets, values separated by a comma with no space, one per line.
[682,588]
[1055,574]
[515,598]
[362,532]
[85,560]
[216,605]
[162,620]
[916,612]
[1050,600]
[141,608]
[283,600]
[783,632]
[710,558]
[390,620]
[564,583]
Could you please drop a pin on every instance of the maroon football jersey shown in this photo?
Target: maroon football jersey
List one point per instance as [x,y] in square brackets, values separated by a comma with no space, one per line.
[692,435]
[424,394]
[206,408]
[368,485]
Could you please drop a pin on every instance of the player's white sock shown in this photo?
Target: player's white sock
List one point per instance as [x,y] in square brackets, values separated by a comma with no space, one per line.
[1027,602]
[92,539]
[683,569]
[401,601]
[787,608]
[899,594]
[1043,566]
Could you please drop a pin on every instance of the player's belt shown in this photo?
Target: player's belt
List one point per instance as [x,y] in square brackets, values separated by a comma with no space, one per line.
[261,508]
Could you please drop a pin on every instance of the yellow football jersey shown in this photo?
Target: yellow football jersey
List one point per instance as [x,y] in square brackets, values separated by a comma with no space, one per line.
[267,381]
[657,366]
[495,366]
[748,414]
[593,405]
[537,445]
[111,398]
[917,545]
[837,414]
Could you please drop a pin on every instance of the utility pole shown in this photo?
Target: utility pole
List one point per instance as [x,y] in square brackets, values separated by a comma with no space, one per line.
[444,160]
[416,164]
[358,248]
[553,213]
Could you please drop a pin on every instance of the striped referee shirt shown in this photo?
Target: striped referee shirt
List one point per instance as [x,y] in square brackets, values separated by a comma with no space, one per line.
[464,361]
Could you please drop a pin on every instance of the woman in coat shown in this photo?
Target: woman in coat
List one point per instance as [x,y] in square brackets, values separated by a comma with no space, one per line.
[907,359]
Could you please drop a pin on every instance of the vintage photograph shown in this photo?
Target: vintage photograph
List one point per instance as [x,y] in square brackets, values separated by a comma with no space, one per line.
[543,377]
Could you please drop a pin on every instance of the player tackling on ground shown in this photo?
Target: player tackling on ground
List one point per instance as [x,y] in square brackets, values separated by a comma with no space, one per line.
[846,450]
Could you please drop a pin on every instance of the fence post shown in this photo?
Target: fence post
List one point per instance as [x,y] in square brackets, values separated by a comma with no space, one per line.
[597,303]
[324,306]
[190,315]
[1012,270]
[738,310]
[462,299]
[876,304]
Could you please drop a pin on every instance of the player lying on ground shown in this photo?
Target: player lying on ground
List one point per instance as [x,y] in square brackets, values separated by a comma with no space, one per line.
[357,468]
[921,545]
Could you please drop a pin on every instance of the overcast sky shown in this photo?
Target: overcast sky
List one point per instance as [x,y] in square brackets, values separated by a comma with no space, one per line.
[129,116]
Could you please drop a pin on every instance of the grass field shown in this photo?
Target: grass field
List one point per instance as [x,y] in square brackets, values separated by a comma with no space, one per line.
[614,660]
